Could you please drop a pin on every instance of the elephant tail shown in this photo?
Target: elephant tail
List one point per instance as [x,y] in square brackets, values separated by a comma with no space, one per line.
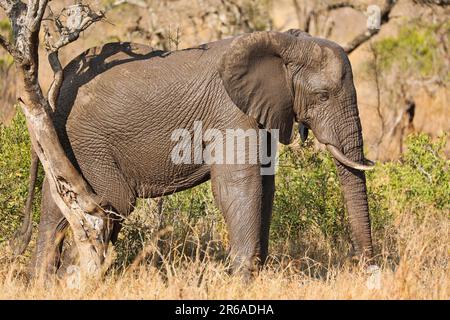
[21,238]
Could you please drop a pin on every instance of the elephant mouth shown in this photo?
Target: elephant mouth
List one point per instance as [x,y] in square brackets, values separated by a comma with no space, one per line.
[339,156]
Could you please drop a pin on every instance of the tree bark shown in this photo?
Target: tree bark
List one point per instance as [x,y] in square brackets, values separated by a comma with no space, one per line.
[74,197]
[359,39]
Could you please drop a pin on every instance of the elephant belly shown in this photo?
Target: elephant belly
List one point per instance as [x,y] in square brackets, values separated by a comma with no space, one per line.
[118,167]
[175,183]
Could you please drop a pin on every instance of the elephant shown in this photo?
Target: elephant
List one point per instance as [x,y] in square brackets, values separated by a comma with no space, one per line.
[119,104]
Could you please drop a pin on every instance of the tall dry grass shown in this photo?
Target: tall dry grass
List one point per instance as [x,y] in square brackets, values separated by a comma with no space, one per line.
[413,261]
[178,249]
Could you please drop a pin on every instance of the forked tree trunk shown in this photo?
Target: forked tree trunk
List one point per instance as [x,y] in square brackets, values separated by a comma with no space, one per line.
[73,196]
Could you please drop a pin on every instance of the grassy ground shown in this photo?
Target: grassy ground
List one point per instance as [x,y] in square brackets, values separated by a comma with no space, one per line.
[177,248]
[420,272]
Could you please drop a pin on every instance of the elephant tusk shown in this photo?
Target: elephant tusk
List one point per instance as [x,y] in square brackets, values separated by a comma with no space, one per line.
[339,156]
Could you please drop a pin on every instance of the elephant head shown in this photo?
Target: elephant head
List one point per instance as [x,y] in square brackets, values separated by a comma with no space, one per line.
[282,78]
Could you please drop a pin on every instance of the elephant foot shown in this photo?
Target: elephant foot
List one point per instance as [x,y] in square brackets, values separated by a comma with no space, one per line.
[246,268]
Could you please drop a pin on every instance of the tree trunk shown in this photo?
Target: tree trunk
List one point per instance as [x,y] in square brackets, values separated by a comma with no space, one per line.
[73,196]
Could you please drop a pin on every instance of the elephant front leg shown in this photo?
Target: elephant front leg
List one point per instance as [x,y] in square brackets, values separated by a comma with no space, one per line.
[238,192]
[268,182]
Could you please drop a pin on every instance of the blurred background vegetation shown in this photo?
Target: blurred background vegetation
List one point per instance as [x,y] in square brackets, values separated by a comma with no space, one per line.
[401,76]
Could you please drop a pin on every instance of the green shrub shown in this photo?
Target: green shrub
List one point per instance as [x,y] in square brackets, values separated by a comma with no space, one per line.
[14,175]
[416,183]
[5,59]
[307,194]
[5,27]
[415,49]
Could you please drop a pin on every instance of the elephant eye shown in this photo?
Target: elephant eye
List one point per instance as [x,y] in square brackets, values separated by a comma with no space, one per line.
[323,96]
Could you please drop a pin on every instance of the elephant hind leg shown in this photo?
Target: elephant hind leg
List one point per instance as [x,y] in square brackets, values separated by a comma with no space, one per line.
[52,229]
[238,192]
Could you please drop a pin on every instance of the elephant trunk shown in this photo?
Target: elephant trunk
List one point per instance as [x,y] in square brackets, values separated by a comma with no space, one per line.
[353,183]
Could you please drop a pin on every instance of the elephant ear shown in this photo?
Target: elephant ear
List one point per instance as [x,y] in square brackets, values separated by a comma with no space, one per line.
[257,80]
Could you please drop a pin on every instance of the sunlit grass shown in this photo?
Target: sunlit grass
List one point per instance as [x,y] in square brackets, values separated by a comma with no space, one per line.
[418,271]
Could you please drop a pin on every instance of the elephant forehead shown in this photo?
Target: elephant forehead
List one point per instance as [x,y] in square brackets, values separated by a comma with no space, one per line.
[327,78]
[332,66]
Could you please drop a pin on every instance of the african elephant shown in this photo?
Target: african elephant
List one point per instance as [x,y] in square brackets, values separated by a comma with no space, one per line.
[119,104]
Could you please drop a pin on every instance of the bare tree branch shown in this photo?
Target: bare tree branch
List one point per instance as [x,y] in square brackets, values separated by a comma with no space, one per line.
[7,46]
[15,10]
[366,35]
[375,69]
[360,38]
[73,29]
[35,13]
[84,18]
[433,2]
[313,14]
[8,5]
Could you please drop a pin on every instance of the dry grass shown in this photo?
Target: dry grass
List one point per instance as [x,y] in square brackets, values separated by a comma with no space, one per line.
[413,261]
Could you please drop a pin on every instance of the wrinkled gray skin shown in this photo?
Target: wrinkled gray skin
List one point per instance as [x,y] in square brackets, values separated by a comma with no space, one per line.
[120,103]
